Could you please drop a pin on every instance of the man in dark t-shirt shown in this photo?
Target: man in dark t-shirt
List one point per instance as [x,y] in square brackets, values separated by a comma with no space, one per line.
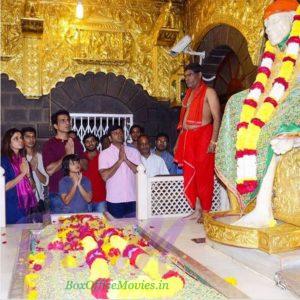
[55,149]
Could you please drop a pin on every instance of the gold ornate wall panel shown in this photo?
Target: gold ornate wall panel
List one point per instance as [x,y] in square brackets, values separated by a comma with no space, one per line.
[244,15]
[126,37]
[11,41]
[286,200]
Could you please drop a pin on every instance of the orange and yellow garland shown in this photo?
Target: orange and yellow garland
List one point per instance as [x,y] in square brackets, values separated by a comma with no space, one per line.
[252,118]
[103,245]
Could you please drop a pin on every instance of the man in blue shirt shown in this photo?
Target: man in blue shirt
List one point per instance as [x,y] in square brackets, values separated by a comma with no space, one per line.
[161,145]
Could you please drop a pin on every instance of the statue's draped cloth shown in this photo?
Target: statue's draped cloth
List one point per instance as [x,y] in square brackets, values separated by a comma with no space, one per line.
[225,162]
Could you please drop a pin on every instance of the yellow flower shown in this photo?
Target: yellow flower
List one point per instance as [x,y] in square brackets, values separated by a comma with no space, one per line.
[38,258]
[296,28]
[253,134]
[63,234]
[269,47]
[113,260]
[106,247]
[265,112]
[241,135]
[262,77]
[118,242]
[174,285]
[88,243]
[231,280]
[99,269]
[32,295]
[69,261]
[286,70]
[247,113]
[152,268]
[30,279]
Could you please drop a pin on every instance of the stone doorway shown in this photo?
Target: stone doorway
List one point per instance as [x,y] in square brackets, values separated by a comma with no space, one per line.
[228,59]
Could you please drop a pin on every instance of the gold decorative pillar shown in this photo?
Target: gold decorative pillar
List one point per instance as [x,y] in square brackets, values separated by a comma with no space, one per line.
[7,31]
[32,30]
[177,87]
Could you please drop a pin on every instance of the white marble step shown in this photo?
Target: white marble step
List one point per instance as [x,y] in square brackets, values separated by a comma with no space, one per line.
[259,261]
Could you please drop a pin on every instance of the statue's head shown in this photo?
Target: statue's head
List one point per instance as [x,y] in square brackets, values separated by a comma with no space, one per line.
[278,19]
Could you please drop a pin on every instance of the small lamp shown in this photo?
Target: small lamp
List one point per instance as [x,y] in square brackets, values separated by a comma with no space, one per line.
[79,10]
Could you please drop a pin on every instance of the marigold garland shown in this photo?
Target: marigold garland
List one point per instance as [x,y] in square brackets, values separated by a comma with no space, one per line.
[253,119]
[102,246]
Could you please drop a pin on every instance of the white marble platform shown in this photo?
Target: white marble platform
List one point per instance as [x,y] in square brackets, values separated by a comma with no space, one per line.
[9,245]
[253,284]
[179,233]
[259,261]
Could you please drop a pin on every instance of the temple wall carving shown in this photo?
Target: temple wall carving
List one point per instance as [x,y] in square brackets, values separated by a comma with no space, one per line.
[244,15]
[126,37]
[43,42]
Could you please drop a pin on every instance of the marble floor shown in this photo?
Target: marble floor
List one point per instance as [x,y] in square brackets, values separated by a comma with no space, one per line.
[179,233]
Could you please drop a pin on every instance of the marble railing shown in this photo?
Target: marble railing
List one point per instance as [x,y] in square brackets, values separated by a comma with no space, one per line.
[163,196]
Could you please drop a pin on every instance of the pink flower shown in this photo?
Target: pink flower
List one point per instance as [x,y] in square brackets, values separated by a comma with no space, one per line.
[37,267]
[57,245]
[100,288]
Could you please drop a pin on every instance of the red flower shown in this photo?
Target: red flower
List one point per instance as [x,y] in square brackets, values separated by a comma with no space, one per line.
[171,273]
[288,58]
[241,153]
[264,70]
[258,122]
[282,81]
[296,17]
[272,101]
[247,186]
[143,243]
[250,102]
[100,288]
[258,85]
[268,54]
[37,267]
[242,125]
[114,252]
[293,39]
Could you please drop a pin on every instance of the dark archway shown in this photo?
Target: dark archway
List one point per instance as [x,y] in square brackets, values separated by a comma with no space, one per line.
[228,59]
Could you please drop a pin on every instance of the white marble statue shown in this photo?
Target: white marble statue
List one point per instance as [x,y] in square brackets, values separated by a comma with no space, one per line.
[278,27]
[262,214]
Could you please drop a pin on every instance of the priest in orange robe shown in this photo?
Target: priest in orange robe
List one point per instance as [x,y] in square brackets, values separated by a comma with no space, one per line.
[199,125]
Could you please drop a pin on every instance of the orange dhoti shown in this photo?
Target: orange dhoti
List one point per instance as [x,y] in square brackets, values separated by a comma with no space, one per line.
[197,164]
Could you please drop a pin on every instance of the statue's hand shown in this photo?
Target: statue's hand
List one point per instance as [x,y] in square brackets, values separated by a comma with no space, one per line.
[282,145]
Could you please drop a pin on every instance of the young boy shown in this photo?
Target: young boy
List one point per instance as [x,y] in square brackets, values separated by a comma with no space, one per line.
[74,189]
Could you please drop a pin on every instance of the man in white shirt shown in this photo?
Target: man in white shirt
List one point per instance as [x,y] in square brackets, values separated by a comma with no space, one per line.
[153,164]
[35,160]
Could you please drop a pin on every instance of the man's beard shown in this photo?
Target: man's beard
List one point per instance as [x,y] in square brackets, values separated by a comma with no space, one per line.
[91,150]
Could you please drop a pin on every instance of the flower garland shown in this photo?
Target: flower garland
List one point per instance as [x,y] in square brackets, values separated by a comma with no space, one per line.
[102,246]
[97,258]
[252,120]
